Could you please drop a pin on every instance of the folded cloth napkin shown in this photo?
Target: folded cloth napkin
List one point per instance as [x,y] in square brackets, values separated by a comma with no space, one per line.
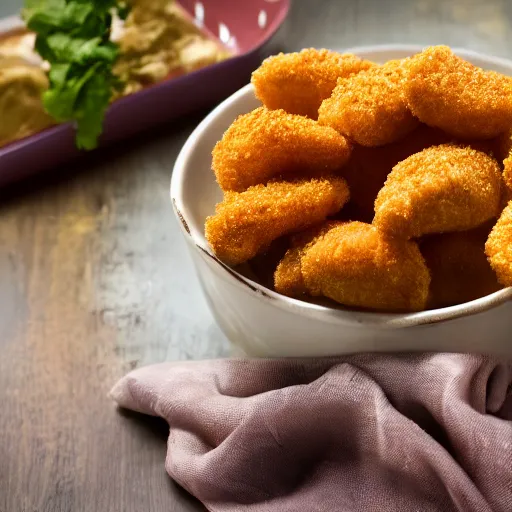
[366,433]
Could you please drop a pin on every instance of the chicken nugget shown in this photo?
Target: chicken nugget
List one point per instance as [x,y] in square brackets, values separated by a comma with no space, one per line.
[266,143]
[370,108]
[442,188]
[498,247]
[288,275]
[357,265]
[504,154]
[502,151]
[458,266]
[445,91]
[368,168]
[245,223]
[299,82]
[261,268]
[506,197]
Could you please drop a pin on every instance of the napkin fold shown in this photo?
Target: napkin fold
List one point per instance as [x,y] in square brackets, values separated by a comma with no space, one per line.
[365,433]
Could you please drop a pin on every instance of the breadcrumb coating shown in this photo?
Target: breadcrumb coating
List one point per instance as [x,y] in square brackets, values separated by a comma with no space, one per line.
[370,108]
[498,247]
[448,92]
[299,82]
[506,197]
[505,155]
[442,188]
[288,275]
[458,266]
[357,265]
[266,143]
[245,223]
[424,145]
[368,168]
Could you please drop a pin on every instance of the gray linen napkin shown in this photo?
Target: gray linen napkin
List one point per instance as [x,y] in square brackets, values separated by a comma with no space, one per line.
[361,433]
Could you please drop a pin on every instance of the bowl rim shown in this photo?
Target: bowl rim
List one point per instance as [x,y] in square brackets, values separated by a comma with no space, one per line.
[340,315]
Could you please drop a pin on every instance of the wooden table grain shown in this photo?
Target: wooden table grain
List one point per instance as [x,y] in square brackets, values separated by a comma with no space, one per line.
[95,280]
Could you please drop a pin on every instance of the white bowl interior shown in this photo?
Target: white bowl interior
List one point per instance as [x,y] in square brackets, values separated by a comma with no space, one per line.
[195,192]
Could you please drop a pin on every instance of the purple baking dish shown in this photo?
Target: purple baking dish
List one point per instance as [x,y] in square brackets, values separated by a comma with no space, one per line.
[248,27]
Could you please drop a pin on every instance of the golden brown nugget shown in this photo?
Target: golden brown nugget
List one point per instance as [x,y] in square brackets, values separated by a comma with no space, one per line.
[262,267]
[266,143]
[506,197]
[299,82]
[368,168]
[458,266]
[442,188]
[245,223]
[445,91]
[369,108]
[503,145]
[357,265]
[288,275]
[498,247]
[505,155]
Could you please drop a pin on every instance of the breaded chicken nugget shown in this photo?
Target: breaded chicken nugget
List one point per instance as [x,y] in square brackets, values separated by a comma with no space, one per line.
[288,275]
[266,143]
[262,267]
[505,155]
[368,168]
[445,91]
[299,82]
[506,197]
[442,188]
[245,223]
[458,266]
[357,265]
[498,247]
[369,108]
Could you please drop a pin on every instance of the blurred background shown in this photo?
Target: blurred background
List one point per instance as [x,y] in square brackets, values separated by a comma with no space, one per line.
[95,278]
[476,24]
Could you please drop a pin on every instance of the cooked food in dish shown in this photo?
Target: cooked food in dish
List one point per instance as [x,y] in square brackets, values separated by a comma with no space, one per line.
[442,188]
[156,41]
[20,44]
[370,107]
[424,193]
[368,168]
[288,275]
[499,247]
[245,223]
[299,82]
[266,143]
[504,153]
[448,92]
[21,109]
[357,265]
[458,267]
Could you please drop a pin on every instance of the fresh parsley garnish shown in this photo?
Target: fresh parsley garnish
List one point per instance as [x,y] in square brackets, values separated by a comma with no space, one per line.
[74,37]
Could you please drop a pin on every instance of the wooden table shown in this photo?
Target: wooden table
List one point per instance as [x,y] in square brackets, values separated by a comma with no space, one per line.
[95,280]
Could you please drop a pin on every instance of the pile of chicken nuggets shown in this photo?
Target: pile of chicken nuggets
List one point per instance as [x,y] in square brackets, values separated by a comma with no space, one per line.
[390,185]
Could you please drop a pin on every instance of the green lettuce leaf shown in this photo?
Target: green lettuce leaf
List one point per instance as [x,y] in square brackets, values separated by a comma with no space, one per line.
[74,37]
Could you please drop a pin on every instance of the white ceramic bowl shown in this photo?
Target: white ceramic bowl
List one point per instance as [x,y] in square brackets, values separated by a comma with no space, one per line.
[263,323]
